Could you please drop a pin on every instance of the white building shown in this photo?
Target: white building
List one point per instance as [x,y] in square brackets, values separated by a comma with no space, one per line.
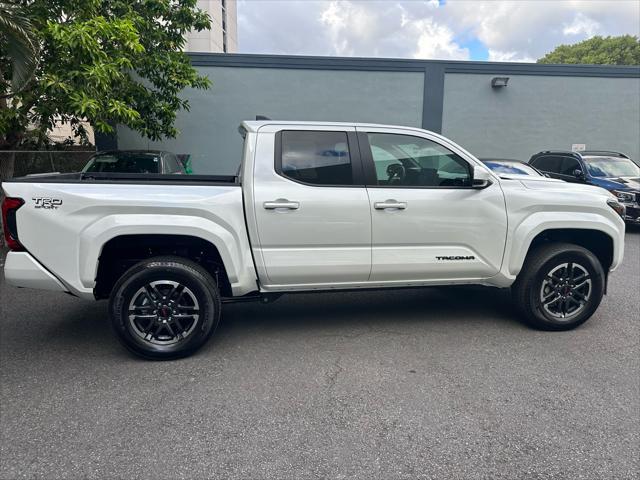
[223,35]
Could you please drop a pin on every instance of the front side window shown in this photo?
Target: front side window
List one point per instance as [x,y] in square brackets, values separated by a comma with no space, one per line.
[316,157]
[569,166]
[405,160]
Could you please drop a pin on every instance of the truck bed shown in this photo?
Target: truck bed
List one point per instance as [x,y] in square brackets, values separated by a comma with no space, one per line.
[67,219]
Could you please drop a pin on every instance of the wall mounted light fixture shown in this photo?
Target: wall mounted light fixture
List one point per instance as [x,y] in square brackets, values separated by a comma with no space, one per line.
[499,82]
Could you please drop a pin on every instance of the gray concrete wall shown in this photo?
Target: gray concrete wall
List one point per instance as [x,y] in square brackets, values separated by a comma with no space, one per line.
[209,131]
[535,113]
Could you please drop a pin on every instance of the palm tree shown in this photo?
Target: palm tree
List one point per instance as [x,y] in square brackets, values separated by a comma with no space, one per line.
[18,46]
[19,52]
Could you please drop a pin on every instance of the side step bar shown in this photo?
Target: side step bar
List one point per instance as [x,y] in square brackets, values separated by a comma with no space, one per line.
[253,297]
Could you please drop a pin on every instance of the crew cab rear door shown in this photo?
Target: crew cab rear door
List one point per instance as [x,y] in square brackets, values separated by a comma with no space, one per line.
[428,223]
[311,208]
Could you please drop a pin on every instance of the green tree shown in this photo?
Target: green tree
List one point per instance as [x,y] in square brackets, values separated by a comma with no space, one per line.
[105,61]
[19,46]
[622,50]
[18,61]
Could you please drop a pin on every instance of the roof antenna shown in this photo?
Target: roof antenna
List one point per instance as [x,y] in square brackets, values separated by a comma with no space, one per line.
[262,117]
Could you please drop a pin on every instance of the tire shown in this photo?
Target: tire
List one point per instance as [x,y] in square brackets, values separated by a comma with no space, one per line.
[164,308]
[560,287]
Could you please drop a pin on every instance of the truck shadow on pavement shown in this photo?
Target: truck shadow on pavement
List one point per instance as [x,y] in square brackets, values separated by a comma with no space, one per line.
[85,327]
[352,313]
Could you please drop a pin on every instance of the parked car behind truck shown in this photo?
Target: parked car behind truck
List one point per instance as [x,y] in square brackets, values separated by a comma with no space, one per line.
[510,167]
[612,171]
[317,206]
[135,161]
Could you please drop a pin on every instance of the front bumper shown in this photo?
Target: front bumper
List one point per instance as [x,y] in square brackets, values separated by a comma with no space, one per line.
[22,270]
[632,215]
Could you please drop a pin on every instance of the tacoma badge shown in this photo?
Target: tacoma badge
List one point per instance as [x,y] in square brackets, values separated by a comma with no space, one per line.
[456,257]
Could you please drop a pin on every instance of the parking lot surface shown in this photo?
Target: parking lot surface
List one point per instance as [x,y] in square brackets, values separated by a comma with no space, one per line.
[433,383]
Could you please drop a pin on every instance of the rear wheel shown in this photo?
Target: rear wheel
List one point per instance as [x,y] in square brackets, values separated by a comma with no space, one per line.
[165,308]
[560,286]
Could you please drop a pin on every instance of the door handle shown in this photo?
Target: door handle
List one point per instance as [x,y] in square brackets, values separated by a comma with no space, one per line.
[390,204]
[281,203]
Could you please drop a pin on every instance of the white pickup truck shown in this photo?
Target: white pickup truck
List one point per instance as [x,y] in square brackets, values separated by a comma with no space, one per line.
[316,206]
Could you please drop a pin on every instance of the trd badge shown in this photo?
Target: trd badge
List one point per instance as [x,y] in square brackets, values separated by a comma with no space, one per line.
[47,203]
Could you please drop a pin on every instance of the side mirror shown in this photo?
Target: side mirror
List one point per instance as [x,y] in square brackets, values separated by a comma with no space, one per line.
[578,173]
[481,178]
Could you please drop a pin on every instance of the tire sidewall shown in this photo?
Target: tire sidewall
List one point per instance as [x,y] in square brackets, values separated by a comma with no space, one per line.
[597,289]
[141,275]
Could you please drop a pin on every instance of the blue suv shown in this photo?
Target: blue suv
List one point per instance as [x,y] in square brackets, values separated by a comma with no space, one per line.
[612,171]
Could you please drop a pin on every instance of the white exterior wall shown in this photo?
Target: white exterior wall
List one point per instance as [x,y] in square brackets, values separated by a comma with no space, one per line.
[213,40]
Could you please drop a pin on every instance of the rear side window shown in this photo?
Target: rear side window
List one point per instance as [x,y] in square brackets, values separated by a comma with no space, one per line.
[315,157]
[547,164]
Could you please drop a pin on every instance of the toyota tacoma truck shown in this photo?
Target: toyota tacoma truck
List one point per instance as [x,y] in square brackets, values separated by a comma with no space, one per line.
[315,207]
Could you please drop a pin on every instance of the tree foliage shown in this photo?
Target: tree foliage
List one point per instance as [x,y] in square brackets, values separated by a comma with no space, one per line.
[622,50]
[18,42]
[106,61]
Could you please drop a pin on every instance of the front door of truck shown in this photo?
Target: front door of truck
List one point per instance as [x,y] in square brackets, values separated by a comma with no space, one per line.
[311,208]
[428,222]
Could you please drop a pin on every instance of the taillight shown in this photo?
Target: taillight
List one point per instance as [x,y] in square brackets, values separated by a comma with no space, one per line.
[9,207]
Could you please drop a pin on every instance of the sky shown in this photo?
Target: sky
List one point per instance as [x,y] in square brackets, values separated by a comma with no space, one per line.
[495,30]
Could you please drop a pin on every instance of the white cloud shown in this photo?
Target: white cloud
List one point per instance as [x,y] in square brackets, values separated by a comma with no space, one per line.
[529,29]
[437,41]
[510,30]
[349,24]
[358,28]
[498,56]
[581,25]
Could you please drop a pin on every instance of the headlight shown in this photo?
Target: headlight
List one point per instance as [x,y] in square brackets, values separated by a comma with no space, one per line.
[624,197]
[617,207]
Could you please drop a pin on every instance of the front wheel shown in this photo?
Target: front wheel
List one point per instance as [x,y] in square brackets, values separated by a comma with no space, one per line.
[560,286]
[164,308]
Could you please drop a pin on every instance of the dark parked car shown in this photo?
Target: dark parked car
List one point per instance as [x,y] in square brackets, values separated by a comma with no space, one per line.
[135,161]
[612,171]
[510,167]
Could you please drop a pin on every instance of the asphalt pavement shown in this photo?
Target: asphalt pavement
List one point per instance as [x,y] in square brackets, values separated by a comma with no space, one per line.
[434,383]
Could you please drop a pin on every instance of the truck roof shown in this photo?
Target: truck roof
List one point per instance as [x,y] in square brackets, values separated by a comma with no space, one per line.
[254,125]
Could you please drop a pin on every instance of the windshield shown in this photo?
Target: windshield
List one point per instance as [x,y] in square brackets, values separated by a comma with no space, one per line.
[124,162]
[512,168]
[611,167]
